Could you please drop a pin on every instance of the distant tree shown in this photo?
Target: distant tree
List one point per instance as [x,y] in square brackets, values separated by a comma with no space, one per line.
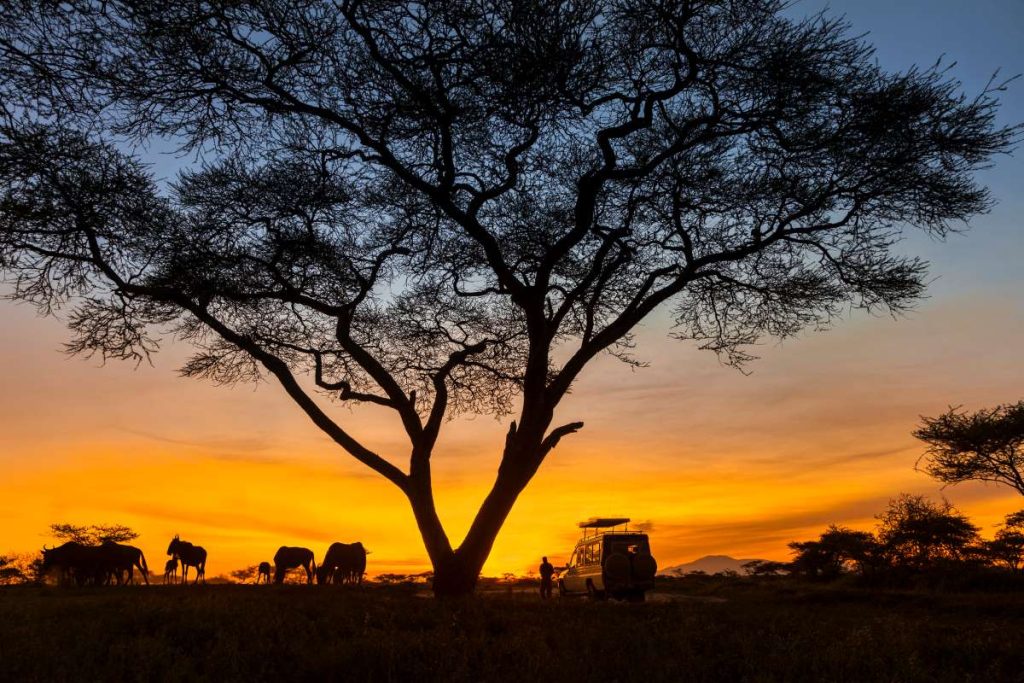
[1014,521]
[391,579]
[918,534]
[10,572]
[94,534]
[837,550]
[456,206]
[244,575]
[814,560]
[33,568]
[15,569]
[853,550]
[766,567]
[1007,548]
[987,445]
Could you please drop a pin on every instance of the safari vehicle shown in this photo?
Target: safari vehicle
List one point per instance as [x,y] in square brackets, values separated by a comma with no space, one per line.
[611,560]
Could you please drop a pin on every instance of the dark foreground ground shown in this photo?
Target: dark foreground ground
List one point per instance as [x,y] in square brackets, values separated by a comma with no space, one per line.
[724,633]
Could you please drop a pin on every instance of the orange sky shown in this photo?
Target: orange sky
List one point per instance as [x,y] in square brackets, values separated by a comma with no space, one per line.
[717,461]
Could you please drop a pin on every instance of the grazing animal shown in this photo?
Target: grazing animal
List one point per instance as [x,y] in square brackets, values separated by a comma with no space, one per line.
[264,573]
[190,556]
[74,563]
[119,558]
[171,569]
[343,563]
[289,558]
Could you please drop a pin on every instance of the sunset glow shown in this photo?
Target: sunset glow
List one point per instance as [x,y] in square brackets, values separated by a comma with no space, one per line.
[717,462]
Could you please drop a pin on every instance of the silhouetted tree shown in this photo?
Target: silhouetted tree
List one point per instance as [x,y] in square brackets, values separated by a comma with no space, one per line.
[15,569]
[984,446]
[853,550]
[766,567]
[389,579]
[837,550]
[445,207]
[94,534]
[244,575]
[919,534]
[1007,548]
[10,572]
[1014,521]
[812,560]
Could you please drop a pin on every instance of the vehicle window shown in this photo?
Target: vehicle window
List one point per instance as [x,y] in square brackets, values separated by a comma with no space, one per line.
[628,545]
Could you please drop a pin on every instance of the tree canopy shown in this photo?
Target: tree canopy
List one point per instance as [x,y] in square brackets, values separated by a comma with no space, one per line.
[917,533]
[987,445]
[838,549]
[445,207]
[93,534]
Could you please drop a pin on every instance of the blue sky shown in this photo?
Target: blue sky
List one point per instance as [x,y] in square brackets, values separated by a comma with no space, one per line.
[981,36]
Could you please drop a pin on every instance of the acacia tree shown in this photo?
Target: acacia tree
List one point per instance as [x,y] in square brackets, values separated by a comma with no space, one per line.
[93,535]
[1008,545]
[445,207]
[918,534]
[984,446]
[838,549]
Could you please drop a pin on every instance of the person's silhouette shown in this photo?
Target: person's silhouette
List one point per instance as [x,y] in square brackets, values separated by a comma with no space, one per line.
[547,571]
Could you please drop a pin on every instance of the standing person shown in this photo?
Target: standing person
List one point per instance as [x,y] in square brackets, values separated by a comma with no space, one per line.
[546,572]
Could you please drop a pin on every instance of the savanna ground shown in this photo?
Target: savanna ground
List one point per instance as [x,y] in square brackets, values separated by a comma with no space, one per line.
[689,631]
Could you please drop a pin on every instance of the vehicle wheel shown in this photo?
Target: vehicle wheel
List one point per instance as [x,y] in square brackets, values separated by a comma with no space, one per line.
[561,589]
[594,593]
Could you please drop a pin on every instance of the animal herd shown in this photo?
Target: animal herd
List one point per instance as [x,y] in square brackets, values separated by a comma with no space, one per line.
[342,563]
[103,564]
[110,563]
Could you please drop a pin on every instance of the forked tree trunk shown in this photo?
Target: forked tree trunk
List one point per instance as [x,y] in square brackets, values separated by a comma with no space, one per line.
[456,570]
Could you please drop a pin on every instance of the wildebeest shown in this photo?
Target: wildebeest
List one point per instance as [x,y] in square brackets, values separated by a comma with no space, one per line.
[289,558]
[75,563]
[171,569]
[264,572]
[190,556]
[343,563]
[99,565]
[118,558]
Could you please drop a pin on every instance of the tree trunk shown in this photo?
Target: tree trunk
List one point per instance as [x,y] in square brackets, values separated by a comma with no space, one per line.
[456,571]
[456,574]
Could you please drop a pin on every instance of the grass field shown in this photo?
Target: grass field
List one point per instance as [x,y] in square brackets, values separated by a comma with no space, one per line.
[730,632]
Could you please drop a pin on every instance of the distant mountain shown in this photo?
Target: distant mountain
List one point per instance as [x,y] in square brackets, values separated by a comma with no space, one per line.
[709,564]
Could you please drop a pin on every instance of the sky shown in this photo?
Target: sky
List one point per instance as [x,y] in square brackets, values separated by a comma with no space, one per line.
[714,461]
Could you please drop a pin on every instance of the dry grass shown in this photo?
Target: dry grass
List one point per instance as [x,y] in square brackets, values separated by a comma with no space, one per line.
[747,633]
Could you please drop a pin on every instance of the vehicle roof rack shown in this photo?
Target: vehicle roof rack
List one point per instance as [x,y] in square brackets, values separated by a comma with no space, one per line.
[600,526]
[602,522]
